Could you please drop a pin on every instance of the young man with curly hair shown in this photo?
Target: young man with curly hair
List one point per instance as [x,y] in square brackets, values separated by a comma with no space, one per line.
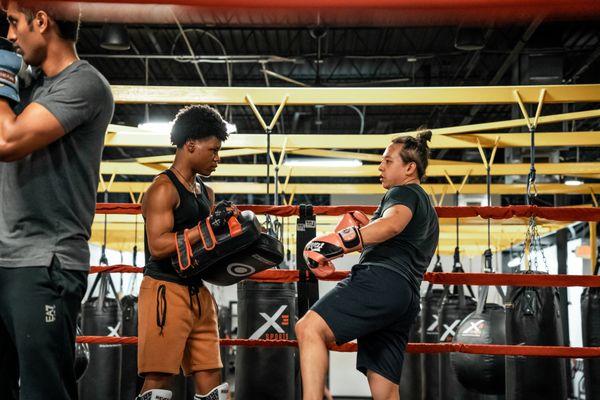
[178,317]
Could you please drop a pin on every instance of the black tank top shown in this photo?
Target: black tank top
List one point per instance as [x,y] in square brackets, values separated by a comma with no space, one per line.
[192,208]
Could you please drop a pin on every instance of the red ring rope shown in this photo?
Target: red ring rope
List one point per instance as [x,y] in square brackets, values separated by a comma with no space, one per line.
[550,213]
[442,278]
[493,349]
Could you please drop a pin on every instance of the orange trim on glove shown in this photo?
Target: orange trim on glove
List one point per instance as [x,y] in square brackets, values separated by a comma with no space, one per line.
[352,218]
[205,225]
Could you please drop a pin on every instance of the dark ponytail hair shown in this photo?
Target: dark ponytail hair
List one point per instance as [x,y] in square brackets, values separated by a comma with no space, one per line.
[416,149]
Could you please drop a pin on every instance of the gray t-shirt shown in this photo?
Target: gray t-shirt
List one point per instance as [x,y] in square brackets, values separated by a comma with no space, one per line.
[48,199]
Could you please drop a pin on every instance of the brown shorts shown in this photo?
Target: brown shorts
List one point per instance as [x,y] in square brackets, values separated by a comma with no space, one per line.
[189,336]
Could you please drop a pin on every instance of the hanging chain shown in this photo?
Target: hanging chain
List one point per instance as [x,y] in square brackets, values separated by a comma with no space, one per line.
[135,248]
[457,263]
[487,254]
[532,191]
[533,242]
[103,259]
[540,249]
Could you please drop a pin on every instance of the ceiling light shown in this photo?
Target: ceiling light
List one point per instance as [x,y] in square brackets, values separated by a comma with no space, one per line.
[231,128]
[469,39]
[322,162]
[515,262]
[114,37]
[165,127]
[157,127]
[573,182]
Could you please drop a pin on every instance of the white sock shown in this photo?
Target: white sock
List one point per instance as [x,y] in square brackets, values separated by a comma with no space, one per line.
[218,393]
[155,394]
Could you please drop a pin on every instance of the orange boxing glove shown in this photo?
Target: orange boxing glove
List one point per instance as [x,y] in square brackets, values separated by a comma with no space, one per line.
[352,218]
[319,252]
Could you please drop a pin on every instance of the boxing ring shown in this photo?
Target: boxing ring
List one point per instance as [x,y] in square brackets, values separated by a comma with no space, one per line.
[442,278]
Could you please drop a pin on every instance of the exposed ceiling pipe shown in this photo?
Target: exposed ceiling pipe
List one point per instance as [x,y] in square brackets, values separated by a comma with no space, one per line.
[590,60]
[210,59]
[190,49]
[512,57]
[282,77]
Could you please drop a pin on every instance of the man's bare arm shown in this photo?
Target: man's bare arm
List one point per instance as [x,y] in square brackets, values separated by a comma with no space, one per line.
[34,129]
[157,208]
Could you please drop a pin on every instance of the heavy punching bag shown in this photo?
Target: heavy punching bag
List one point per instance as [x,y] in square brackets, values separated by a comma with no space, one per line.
[482,373]
[454,308]
[430,307]
[265,311]
[410,381]
[590,319]
[131,383]
[533,318]
[82,356]
[101,316]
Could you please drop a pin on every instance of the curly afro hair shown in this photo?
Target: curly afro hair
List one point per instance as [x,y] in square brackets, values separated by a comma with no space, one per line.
[197,123]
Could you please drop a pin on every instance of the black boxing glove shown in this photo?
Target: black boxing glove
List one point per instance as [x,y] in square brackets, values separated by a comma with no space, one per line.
[222,213]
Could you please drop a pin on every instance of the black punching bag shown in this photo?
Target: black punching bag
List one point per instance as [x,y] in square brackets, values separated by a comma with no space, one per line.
[82,356]
[131,383]
[482,373]
[454,308]
[410,381]
[533,318]
[430,307]
[590,319]
[101,316]
[265,311]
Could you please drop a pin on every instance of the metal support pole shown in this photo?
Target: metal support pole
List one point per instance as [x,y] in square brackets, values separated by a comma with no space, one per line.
[308,286]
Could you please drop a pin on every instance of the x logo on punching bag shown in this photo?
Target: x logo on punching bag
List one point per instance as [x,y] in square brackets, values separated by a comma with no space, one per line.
[449,331]
[114,331]
[475,328]
[433,325]
[270,322]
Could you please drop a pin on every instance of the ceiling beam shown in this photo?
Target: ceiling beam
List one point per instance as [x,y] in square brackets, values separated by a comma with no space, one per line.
[305,152]
[273,96]
[349,188]
[133,137]
[438,169]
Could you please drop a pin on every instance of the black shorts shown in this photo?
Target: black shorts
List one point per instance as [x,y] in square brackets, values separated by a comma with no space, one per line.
[377,306]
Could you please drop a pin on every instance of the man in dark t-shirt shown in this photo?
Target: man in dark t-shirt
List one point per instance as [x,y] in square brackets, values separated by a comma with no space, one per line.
[52,128]
[379,301]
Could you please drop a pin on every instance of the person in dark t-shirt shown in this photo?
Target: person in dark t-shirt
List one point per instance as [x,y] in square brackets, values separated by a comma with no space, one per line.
[52,126]
[177,319]
[379,301]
